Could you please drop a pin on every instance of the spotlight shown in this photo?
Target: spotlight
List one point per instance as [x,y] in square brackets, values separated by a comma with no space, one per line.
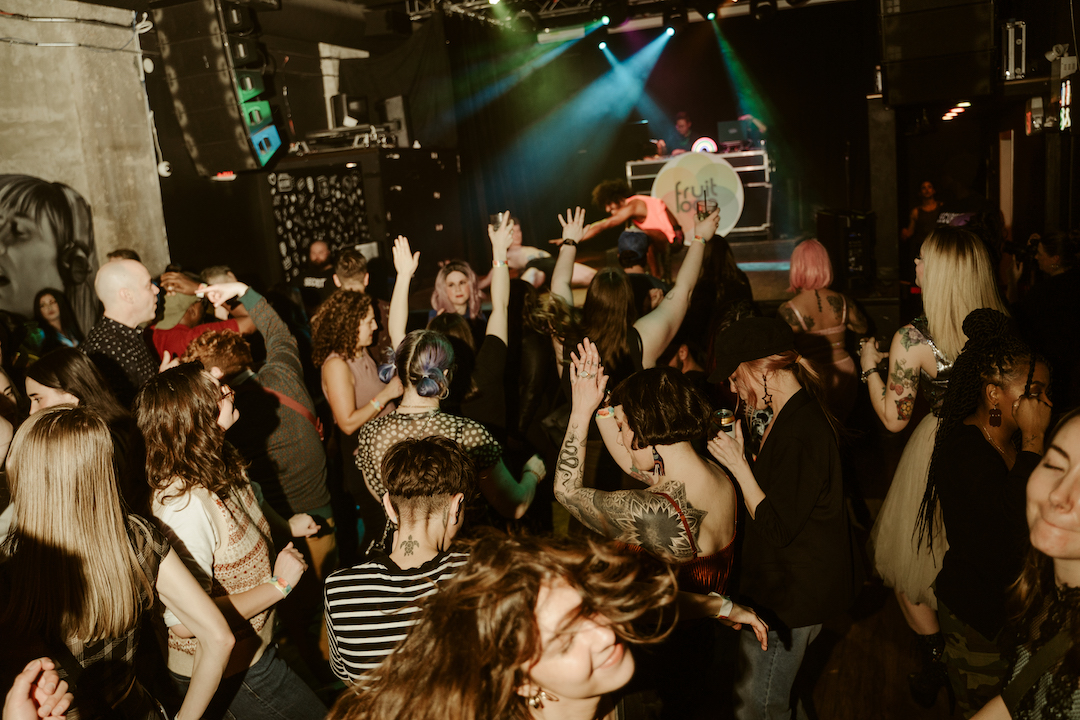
[704,8]
[602,45]
[675,18]
[605,20]
[670,31]
[493,2]
[762,9]
[616,12]
[963,104]
[527,21]
[1056,52]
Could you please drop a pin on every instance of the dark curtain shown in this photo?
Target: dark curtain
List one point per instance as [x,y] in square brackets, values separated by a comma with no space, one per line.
[420,70]
[486,125]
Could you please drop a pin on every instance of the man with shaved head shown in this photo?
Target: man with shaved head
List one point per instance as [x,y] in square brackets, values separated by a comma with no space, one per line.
[116,344]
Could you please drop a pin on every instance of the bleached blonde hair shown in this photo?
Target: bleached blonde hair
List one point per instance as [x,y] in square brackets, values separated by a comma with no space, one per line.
[958,277]
[73,570]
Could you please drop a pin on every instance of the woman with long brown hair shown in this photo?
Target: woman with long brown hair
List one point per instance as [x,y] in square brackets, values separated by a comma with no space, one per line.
[528,629]
[80,571]
[205,503]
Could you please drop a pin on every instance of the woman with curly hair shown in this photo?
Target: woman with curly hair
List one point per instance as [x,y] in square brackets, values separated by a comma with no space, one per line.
[1046,597]
[342,331]
[529,628]
[989,440]
[214,515]
[957,276]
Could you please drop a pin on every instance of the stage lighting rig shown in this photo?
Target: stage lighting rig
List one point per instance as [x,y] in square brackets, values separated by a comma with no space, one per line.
[705,8]
[675,18]
[762,9]
[616,11]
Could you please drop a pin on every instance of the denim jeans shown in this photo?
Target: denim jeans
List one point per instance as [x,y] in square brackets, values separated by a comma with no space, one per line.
[268,689]
[766,677]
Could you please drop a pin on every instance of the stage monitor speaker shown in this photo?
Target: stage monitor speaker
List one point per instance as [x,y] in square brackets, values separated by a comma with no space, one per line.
[213,67]
[937,50]
[849,238]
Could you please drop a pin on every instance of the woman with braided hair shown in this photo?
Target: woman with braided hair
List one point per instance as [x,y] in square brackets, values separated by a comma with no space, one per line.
[956,276]
[990,438]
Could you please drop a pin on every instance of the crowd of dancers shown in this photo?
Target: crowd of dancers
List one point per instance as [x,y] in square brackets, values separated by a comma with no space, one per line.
[527,506]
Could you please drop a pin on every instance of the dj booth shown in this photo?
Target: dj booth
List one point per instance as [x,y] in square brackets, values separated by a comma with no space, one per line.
[754,170]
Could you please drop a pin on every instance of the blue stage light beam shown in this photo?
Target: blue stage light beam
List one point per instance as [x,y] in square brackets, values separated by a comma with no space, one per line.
[581,131]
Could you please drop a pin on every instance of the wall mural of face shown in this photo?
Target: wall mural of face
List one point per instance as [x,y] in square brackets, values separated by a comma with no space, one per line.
[46,240]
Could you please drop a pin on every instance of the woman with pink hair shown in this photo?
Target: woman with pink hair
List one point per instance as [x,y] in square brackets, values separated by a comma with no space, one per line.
[457,291]
[820,317]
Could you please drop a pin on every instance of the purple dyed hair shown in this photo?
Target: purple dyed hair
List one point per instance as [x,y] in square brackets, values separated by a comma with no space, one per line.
[810,267]
[440,300]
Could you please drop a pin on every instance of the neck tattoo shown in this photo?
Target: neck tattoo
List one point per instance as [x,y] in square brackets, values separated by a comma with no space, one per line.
[409,545]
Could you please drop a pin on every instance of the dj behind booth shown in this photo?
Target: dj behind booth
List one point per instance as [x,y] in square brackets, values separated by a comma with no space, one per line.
[742,144]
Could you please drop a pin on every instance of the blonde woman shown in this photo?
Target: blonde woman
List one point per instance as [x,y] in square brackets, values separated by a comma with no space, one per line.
[956,276]
[80,571]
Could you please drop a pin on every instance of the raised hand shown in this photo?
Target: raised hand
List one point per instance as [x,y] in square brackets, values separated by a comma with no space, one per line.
[405,260]
[705,228]
[587,379]
[501,237]
[573,226]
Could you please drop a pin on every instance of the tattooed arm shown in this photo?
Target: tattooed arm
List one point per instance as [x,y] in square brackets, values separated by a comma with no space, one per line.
[895,395]
[637,517]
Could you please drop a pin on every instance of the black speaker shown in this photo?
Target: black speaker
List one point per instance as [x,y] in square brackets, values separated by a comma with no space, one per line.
[849,238]
[937,50]
[214,68]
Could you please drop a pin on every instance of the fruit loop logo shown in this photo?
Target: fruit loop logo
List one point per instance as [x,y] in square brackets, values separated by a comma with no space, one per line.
[695,176]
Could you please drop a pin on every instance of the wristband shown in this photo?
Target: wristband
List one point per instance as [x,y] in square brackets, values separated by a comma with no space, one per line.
[499,263]
[865,375]
[280,584]
[570,243]
[725,607]
[700,239]
[605,413]
[377,405]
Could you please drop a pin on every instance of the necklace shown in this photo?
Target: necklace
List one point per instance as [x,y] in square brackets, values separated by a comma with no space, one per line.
[986,434]
[418,407]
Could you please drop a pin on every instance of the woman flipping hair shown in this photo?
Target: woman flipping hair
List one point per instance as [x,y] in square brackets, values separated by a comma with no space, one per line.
[990,438]
[1047,594]
[820,327]
[528,628]
[956,277]
[106,567]
[205,504]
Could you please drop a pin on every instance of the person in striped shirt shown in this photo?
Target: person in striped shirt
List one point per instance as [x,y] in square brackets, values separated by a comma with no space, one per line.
[371,606]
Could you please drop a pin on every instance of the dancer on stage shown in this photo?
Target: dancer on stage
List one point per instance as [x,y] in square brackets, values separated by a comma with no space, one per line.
[648,214]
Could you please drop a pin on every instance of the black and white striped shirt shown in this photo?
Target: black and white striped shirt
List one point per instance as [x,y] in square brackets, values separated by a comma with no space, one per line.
[370,608]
